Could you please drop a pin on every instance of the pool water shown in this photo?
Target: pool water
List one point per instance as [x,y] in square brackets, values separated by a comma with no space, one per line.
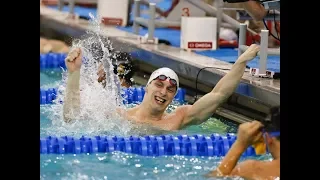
[120,165]
[50,78]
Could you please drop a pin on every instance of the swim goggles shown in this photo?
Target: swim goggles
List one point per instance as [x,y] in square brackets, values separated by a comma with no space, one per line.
[274,134]
[163,78]
[271,134]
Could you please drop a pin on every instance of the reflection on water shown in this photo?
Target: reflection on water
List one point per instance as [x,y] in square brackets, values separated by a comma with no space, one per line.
[50,78]
[119,165]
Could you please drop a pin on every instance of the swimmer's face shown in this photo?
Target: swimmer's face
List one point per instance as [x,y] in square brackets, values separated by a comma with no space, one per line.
[160,93]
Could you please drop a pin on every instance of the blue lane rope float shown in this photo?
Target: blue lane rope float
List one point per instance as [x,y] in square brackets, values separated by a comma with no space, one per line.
[52,61]
[131,95]
[195,145]
[47,95]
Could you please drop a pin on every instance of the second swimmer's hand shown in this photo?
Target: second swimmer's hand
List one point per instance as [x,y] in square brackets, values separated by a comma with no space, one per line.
[74,60]
[249,133]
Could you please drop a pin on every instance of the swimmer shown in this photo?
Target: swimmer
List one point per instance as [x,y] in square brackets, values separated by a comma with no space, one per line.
[122,62]
[122,66]
[253,7]
[248,134]
[52,45]
[160,90]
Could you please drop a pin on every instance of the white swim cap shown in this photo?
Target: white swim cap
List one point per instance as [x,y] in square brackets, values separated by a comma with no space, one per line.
[164,71]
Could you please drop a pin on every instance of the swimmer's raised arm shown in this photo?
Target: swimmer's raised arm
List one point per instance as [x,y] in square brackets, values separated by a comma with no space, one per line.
[207,105]
[71,104]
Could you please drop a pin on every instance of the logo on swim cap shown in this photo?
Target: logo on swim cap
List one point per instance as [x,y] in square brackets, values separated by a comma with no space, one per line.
[164,71]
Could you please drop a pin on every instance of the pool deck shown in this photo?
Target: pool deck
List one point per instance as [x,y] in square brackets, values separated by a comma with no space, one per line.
[186,64]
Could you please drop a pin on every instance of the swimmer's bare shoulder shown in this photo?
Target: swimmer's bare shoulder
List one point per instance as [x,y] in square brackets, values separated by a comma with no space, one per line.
[183,110]
[181,115]
[176,118]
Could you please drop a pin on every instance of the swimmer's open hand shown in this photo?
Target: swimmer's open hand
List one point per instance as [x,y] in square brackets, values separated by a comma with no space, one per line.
[250,53]
[249,133]
[74,60]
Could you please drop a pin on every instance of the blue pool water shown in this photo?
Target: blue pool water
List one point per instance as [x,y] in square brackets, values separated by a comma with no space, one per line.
[50,78]
[120,165]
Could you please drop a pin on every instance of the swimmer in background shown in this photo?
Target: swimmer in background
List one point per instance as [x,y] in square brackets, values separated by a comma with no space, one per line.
[52,45]
[122,62]
[122,66]
[160,90]
[253,7]
[248,134]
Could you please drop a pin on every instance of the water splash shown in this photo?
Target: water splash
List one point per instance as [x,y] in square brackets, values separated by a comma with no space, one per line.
[98,104]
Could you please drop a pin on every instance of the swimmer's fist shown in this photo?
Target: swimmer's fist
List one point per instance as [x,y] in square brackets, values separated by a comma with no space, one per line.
[249,133]
[73,54]
[74,60]
[250,53]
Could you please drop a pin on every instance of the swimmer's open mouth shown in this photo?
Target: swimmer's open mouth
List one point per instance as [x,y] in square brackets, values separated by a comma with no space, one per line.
[159,100]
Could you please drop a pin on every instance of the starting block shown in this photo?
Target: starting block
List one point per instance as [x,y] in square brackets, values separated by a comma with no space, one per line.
[198,33]
[262,54]
[70,15]
[178,10]
[114,12]
[173,19]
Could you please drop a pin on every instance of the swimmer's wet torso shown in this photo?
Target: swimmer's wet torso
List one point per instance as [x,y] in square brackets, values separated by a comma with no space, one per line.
[159,93]
[168,121]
